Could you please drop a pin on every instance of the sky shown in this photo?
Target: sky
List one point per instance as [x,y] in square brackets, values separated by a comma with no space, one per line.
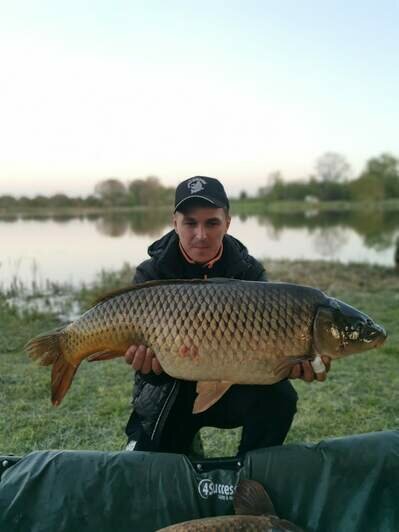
[232,89]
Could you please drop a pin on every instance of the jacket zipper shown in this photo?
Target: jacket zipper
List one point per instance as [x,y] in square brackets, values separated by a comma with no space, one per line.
[163,410]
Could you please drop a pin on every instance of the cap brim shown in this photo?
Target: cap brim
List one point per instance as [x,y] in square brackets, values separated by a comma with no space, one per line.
[210,200]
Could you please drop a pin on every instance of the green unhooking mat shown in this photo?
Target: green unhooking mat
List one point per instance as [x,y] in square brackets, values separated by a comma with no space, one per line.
[345,484]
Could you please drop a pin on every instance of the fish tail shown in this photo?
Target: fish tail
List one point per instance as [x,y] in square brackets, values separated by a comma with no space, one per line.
[61,378]
[47,350]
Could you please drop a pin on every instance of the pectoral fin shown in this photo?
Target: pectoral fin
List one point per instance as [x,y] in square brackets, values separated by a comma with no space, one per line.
[284,366]
[104,355]
[209,392]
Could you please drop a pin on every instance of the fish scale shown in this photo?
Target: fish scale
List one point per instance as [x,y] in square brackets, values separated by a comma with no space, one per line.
[235,523]
[254,511]
[236,326]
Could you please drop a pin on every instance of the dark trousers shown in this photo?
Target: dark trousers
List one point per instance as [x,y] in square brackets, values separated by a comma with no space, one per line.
[264,411]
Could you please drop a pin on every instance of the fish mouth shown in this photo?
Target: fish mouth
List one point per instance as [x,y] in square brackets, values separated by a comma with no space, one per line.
[376,335]
[380,340]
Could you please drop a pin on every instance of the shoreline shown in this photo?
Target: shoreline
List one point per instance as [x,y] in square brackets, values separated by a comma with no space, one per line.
[248,206]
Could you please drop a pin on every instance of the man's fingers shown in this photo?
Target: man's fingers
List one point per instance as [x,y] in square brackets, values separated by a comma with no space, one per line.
[327,363]
[308,374]
[142,359]
[139,357]
[304,371]
[321,376]
[147,363]
[156,366]
[295,372]
[129,355]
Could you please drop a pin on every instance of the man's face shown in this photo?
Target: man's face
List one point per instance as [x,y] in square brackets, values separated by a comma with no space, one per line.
[201,231]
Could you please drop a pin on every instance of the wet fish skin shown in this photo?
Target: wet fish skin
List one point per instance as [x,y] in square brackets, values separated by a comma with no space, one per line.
[234,523]
[254,511]
[226,331]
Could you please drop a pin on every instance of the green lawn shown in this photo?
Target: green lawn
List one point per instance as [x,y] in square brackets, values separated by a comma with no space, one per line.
[360,394]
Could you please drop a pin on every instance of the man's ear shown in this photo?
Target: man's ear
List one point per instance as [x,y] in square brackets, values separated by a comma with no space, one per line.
[228,220]
[174,220]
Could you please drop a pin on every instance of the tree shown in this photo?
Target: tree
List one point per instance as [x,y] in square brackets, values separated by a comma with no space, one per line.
[148,191]
[332,167]
[7,201]
[60,200]
[379,180]
[277,190]
[91,201]
[274,178]
[386,169]
[39,201]
[111,191]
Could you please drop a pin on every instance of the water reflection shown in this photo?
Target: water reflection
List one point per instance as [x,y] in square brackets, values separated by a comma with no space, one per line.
[9,219]
[148,223]
[113,224]
[378,228]
[43,218]
[75,249]
[328,241]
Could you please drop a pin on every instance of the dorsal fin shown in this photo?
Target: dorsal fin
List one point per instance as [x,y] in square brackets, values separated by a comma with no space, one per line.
[148,284]
[251,498]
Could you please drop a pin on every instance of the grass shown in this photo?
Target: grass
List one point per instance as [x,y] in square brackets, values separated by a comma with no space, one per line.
[91,417]
[358,396]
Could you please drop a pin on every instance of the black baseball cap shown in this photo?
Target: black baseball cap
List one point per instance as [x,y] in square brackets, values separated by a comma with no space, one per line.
[206,188]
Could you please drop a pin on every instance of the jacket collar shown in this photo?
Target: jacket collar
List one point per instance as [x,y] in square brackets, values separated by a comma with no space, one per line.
[168,258]
[208,264]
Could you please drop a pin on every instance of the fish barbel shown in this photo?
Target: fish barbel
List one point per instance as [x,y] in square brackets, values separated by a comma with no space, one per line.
[254,512]
[218,332]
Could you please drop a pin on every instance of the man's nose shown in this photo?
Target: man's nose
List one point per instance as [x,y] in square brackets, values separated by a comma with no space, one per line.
[201,232]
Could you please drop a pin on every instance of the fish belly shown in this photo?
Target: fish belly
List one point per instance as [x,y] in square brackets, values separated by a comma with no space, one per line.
[235,331]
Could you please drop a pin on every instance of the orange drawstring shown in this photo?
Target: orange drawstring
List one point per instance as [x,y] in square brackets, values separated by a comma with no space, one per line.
[209,264]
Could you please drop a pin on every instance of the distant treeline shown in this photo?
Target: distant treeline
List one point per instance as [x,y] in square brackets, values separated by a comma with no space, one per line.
[332,181]
[378,181]
[107,193]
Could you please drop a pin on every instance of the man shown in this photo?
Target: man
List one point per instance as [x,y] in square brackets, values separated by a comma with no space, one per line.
[199,247]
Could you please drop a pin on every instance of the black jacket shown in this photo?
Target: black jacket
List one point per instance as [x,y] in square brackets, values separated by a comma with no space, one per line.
[154,395]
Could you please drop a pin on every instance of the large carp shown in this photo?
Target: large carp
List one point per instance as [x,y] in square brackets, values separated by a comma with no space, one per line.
[218,332]
[254,512]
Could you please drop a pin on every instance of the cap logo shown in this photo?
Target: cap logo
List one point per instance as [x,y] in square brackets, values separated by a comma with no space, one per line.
[196,185]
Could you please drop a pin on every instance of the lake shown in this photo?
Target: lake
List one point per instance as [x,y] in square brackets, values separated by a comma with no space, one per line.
[74,249]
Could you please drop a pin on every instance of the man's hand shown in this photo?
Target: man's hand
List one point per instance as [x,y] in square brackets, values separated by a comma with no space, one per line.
[305,371]
[142,359]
